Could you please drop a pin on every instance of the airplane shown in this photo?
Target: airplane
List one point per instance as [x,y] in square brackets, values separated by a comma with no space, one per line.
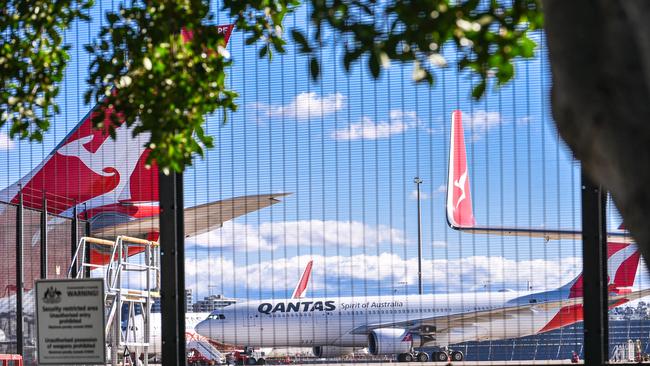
[108,182]
[402,325]
[193,339]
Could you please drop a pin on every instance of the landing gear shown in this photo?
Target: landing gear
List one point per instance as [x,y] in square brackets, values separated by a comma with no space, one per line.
[422,357]
[440,356]
[413,356]
[457,356]
[443,355]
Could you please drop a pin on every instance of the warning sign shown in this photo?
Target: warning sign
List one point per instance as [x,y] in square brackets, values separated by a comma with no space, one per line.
[70,321]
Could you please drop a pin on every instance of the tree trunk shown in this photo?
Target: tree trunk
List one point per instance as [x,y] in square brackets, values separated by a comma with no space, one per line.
[600,57]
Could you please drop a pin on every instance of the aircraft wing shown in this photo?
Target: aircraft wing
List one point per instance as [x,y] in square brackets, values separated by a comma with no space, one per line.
[198,219]
[446,323]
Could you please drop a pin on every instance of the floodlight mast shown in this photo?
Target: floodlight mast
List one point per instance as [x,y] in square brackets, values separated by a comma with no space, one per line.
[417,182]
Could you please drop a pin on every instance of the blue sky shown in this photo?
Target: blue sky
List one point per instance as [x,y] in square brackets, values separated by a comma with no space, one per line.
[347,148]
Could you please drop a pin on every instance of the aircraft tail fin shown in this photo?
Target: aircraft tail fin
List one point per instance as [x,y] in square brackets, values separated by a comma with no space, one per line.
[90,167]
[301,288]
[459,198]
[460,212]
[622,267]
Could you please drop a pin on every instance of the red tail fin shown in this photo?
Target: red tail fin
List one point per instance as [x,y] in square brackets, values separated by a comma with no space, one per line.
[89,167]
[299,291]
[622,264]
[459,198]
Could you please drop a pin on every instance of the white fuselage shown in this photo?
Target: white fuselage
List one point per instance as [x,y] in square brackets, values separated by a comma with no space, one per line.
[345,322]
[155,340]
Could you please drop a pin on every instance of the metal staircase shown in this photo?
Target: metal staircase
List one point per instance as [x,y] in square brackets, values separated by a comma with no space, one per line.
[125,262]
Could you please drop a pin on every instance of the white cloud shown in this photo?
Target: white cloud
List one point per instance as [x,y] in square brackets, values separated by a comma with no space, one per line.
[423,195]
[398,122]
[479,122]
[525,120]
[272,235]
[385,270]
[349,233]
[439,244]
[305,106]
[240,236]
[5,142]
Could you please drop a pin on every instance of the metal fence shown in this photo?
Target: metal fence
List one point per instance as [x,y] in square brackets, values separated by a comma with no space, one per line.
[351,178]
[36,245]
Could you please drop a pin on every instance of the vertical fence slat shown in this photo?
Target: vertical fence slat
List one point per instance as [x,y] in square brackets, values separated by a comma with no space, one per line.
[172,268]
[19,275]
[594,251]
[44,239]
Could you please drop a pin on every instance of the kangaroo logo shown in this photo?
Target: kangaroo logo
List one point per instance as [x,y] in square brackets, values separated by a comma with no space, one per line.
[615,262]
[460,184]
[118,156]
[76,149]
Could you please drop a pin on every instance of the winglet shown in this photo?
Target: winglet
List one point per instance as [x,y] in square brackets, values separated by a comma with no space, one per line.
[459,198]
[301,287]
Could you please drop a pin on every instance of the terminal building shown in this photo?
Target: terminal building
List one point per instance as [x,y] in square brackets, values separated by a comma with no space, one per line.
[211,303]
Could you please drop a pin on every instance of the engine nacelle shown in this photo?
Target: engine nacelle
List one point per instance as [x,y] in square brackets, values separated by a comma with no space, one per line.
[390,341]
[331,351]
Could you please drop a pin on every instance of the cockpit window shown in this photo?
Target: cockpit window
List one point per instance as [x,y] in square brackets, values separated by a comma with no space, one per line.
[217,316]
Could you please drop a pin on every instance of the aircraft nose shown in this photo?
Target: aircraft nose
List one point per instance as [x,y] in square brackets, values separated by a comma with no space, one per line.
[203,328]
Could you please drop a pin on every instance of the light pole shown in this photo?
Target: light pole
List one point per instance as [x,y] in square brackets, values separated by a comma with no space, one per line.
[417,182]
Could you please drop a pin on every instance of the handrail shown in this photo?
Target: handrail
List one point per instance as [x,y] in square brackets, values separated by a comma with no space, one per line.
[98,241]
[131,239]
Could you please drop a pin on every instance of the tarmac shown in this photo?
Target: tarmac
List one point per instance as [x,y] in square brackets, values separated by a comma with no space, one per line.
[448,363]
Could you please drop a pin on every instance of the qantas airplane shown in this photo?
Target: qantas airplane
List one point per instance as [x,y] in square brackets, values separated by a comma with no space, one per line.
[109,183]
[193,339]
[399,325]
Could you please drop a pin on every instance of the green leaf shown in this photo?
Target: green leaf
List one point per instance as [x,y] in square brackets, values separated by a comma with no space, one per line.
[112,18]
[479,89]
[264,51]
[299,38]
[373,64]
[314,69]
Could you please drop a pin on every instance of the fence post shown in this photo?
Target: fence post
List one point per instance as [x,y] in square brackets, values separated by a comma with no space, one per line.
[87,234]
[19,275]
[172,268]
[44,238]
[594,259]
[74,239]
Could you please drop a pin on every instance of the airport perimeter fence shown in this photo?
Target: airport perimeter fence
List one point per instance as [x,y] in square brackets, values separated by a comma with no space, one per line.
[37,244]
[424,217]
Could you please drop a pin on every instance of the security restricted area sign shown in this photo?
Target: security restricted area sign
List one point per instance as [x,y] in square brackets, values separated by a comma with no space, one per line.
[70,321]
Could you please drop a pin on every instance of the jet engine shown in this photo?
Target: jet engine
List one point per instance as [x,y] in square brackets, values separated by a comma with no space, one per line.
[331,351]
[391,341]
